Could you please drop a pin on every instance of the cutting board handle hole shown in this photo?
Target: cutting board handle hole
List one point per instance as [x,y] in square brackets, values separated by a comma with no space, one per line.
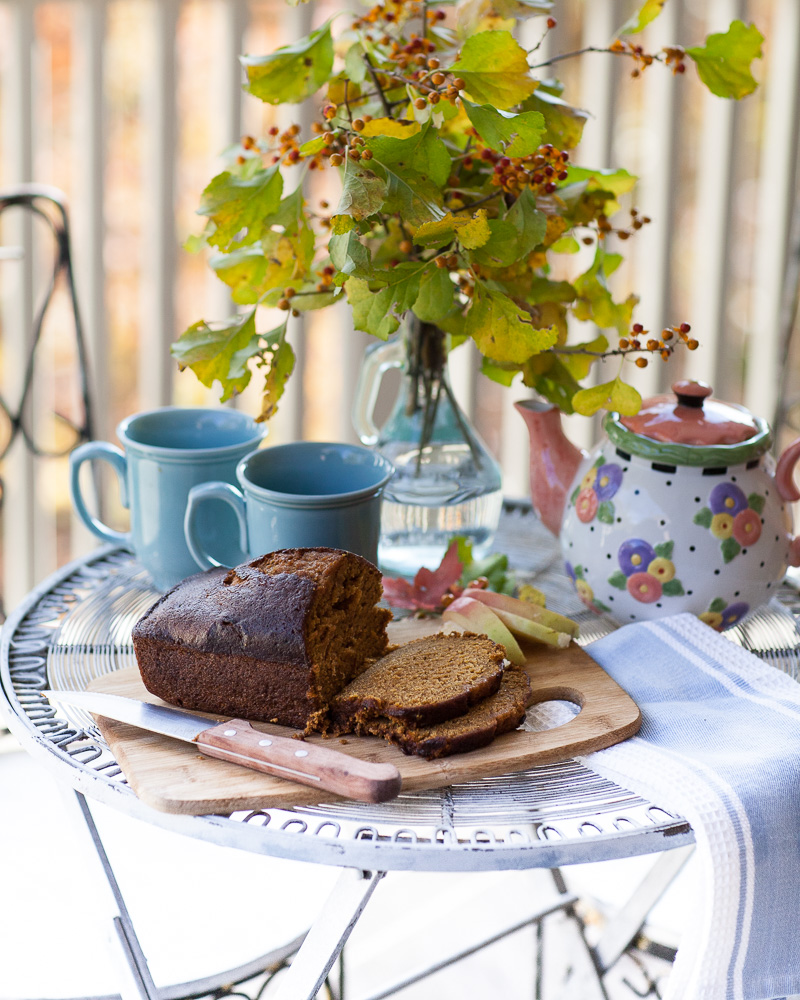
[549,715]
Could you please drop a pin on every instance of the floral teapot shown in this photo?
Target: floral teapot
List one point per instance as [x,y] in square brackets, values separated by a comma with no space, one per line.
[680,508]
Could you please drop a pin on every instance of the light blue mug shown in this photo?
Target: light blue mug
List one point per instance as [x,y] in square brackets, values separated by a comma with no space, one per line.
[307,494]
[166,453]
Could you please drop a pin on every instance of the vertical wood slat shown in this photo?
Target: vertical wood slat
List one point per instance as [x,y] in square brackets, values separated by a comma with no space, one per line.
[656,192]
[287,425]
[88,225]
[18,467]
[777,200]
[599,86]
[159,244]
[713,200]
[232,18]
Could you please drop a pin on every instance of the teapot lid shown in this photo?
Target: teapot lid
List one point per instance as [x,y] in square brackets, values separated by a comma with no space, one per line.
[691,428]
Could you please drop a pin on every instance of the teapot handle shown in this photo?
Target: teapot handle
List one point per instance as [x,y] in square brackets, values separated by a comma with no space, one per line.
[788,491]
[378,359]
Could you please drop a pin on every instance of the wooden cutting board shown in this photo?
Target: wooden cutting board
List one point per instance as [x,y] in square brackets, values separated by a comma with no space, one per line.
[173,777]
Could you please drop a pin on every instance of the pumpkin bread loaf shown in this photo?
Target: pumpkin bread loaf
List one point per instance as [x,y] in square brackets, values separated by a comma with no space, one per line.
[499,713]
[423,682]
[272,640]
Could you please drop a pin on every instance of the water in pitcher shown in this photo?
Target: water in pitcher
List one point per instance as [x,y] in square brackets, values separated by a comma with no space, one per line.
[421,512]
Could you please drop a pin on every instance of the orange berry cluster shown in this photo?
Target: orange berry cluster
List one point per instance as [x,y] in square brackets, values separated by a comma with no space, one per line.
[635,51]
[390,12]
[288,148]
[339,143]
[604,227]
[674,56]
[662,345]
[540,171]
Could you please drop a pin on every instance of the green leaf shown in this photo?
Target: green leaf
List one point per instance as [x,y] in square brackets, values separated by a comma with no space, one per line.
[723,63]
[349,255]
[514,135]
[618,580]
[519,9]
[502,330]
[219,352]
[595,302]
[615,395]
[279,367]
[664,549]
[414,169]
[578,571]
[579,358]
[567,244]
[756,502]
[471,232]
[341,224]
[294,72]
[423,153]
[563,123]
[673,588]
[494,67]
[379,312]
[530,224]
[306,301]
[718,605]
[618,182]
[501,374]
[363,192]
[354,65]
[500,249]
[605,512]
[244,271]
[648,12]
[703,517]
[730,548]
[435,297]
[240,207]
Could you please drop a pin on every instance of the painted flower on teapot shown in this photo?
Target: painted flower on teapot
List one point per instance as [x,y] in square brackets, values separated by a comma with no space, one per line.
[680,508]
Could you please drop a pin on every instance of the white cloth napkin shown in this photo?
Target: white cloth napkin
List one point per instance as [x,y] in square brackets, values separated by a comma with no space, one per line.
[719,744]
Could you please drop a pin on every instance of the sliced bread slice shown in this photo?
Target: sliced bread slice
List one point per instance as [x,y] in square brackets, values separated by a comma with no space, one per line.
[497,714]
[422,682]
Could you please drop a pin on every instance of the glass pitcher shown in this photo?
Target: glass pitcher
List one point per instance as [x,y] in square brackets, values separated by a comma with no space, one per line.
[446,481]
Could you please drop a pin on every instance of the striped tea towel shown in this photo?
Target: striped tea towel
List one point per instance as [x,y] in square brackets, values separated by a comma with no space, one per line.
[719,744]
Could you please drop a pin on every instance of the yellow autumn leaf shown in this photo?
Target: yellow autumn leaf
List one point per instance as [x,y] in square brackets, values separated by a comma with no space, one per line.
[391,127]
[471,233]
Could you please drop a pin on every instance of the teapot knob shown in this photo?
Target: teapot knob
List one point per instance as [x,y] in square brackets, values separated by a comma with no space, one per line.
[691,393]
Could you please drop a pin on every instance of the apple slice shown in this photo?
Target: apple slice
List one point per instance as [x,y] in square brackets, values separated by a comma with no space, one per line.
[472,616]
[525,628]
[523,609]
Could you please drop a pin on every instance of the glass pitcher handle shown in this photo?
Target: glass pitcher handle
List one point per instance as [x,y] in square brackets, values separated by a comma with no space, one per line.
[378,359]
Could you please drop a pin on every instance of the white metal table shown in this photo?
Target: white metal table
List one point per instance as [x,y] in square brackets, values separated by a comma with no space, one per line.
[77,625]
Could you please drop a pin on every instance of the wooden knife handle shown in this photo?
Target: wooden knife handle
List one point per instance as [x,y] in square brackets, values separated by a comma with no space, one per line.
[310,764]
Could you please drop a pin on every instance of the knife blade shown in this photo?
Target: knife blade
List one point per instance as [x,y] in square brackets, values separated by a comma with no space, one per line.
[237,742]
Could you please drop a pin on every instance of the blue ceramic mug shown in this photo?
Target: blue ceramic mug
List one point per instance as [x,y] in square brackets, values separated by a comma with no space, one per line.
[166,453]
[306,494]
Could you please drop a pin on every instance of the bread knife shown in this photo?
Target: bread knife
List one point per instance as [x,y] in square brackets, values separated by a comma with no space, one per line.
[237,742]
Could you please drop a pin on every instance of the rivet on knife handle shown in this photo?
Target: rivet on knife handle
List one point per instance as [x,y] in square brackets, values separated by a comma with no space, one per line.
[310,764]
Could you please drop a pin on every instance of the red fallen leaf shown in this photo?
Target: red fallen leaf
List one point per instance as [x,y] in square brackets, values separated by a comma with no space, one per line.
[429,586]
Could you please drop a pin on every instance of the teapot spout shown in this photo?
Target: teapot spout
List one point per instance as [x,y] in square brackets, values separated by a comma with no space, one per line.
[554,461]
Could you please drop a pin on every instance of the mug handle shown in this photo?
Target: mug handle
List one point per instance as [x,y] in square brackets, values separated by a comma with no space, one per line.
[117,460]
[212,491]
